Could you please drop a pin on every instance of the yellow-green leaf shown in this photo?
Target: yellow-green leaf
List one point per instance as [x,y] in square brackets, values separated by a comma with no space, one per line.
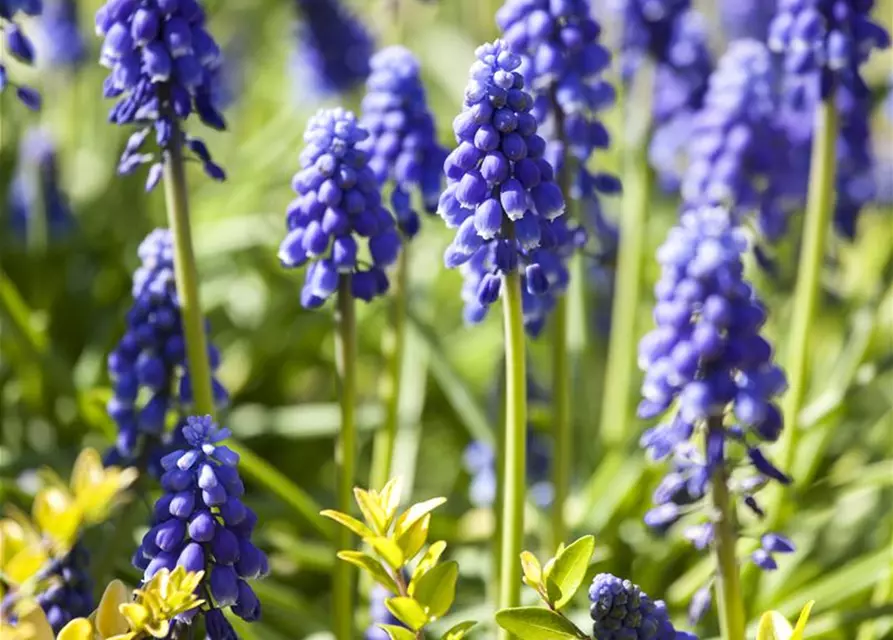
[347,521]
[459,631]
[397,633]
[407,611]
[413,539]
[372,566]
[415,513]
[388,550]
[800,627]
[436,589]
[390,498]
[774,626]
[372,510]
[569,569]
[431,557]
[535,623]
[533,572]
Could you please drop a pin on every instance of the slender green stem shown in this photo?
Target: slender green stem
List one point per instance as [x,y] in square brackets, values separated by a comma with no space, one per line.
[186,274]
[730,603]
[815,232]
[513,480]
[345,452]
[383,451]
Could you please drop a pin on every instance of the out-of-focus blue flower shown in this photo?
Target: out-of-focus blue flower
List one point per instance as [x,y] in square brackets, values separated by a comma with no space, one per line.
[501,194]
[738,155]
[70,591]
[163,67]
[380,614]
[648,30]
[402,144]
[148,367]
[828,38]
[36,188]
[338,201]
[747,18]
[60,39]
[707,359]
[479,461]
[19,45]
[333,49]
[201,524]
[620,610]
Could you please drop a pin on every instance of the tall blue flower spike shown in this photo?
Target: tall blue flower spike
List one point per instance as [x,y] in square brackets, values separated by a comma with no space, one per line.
[707,364]
[201,524]
[620,610]
[501,194]
[333,49]
[339,201]
[479,460]
[70,591]
[402,142]
[60,40]
[36,188]
[150,378]
[163,67]
[747,18]
[739,156]
[19,46]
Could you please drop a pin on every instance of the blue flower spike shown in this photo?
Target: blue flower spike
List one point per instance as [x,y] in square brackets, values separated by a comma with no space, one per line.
[620,610]
[19,46]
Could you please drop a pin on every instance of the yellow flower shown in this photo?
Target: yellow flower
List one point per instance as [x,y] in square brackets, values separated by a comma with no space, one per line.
[774,626]
[22,553]
[31,625]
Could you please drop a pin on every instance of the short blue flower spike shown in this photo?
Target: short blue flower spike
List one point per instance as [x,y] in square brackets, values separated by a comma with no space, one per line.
[620,610]
[19,46]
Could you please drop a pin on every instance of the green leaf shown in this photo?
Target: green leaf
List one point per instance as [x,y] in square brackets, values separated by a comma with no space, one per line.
[459,631]
[570,568]
[371,565]
[397,633]
[347,521]
[431,557]
[415,513]
[800,628]
[534,623]
[413,539]
[372,511]
[436,589]
[533,572]
[407,611]
[774,626]
[388,550]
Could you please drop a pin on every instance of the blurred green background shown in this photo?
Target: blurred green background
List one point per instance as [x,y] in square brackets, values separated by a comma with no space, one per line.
[63,310]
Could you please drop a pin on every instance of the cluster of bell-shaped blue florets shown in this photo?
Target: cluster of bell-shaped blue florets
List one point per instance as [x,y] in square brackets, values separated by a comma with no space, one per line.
[164,65]
[620,610]
[150,378]
[19,45]
[828,38]
[738,154]
[201,523]
[60,39]
[402,142]
[501,194]
[707,358]
[333,51]
[339,201]
[747,18]
[70,591]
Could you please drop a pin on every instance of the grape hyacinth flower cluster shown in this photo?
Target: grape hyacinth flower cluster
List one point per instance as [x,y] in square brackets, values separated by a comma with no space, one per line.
[338,201]
[747,18]
[334,49]
[164,65]
[150,378]
[201,524]
[620,610]
[402,142]
[479,460]
[738,153]
[707,356]
[70,594]
[379,614]
[60,40]
[19,45]
[501,194]
[826,38]
[36,188]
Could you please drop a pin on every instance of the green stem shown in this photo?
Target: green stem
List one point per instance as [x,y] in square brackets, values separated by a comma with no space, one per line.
[622,345]
[730,603]
[514,485]
[815,232]
[561,417]
[383,451]
[345,452]
[186,274]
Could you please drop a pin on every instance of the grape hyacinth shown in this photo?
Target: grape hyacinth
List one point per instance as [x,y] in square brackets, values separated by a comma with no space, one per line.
[201,524]
[402,143]
[379,614]
[620,610]
[479,460]
[60,40]
[70,591]
[36,189]
[334,49]
[150,376]
[338,201]
[19,46]
[501,195]
[747,18]
[164,65]
[738,155]
[707,356]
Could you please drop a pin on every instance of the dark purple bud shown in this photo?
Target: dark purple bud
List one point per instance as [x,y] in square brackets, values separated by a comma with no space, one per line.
[224,585]
[247,606]
[202,526]
[225,546]
[182,504]
[776,543]
[169,535]
[764,560]
[192,558]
